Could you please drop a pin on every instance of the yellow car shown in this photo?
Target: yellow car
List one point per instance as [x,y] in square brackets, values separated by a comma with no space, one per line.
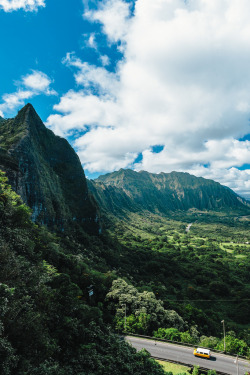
[200,352]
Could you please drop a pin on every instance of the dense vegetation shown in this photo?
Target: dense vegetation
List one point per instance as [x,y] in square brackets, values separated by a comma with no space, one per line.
[201,277]
[48,325]
[174,285]
[163,193]
[173,257]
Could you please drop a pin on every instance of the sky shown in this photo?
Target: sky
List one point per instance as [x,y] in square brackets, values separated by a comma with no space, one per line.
[159,85]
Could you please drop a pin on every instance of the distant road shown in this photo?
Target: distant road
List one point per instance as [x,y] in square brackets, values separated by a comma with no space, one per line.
[188,227]
[218,362]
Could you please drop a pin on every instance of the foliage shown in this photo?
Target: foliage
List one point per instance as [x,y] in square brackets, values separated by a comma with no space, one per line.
[209,342]
[134,323]
[61,295]
[234,346]
[192,274]
[160,193]
[195,370]
[172,334]
[168,334]
[174,369]
[48,324]
[144,311]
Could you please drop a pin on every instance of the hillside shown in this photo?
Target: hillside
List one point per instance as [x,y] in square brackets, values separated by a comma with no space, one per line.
[162,193]
[48,324]
[174,283]
[51,325]
[46,172]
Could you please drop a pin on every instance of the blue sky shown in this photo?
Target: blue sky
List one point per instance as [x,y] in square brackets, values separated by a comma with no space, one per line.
[39,40]
[158,86]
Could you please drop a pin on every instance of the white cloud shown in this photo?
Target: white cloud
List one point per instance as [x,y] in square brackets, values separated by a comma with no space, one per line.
[31,85]
[184,83]
[218,160]
[12,101]
[89,76]
[105,60]
[38,81]
[89,40]
[219,154]
[114,15]
[27,5]
[238,180]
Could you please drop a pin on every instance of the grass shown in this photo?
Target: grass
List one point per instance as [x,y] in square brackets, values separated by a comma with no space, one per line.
[222,246]
[231,247]
[175,369]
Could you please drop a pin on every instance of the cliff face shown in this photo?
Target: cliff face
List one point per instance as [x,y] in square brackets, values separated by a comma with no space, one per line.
[161,193]
[47,173]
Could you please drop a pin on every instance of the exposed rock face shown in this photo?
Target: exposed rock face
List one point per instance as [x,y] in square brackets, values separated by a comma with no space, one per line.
[47,173]
[163,192]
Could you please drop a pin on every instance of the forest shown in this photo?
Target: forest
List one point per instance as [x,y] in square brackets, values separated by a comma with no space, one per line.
[175,284]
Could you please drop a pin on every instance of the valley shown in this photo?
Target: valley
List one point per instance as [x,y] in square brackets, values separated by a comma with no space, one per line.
[199,268]
[83,260]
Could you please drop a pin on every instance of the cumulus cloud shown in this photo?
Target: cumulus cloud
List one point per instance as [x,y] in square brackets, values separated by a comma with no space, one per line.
[238,180]
[218,154]
[11,101]
[183,82]
[26,5]
[91,77]
[33,84]
[38,82]
[114,15]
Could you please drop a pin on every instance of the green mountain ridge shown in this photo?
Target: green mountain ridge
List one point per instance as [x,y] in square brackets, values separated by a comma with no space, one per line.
[162,193]
[46,172]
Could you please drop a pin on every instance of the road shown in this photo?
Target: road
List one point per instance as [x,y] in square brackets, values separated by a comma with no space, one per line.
[188,227]
[218,362]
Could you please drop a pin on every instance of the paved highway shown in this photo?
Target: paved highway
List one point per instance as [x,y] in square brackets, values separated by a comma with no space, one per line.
[218,362]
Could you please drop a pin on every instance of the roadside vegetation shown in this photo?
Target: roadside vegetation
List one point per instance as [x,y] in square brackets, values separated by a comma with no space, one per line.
[174,369]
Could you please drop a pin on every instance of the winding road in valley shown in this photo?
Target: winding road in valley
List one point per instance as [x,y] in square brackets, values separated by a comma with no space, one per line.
[218,362]
[188,227]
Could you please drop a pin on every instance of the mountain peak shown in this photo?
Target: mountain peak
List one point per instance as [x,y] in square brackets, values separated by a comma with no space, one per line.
[48,174]
[28,106]
[27,110]
[28,116]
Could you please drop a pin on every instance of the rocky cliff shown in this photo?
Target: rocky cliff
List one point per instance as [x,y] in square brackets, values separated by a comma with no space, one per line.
[46,172]
[163,192]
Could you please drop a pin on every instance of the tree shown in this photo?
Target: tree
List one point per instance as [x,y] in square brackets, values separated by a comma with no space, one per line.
[234,346]
[171,334]
[141,304]
[209,342]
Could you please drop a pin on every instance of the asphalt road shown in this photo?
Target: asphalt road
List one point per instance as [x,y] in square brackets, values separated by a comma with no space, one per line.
[218,362]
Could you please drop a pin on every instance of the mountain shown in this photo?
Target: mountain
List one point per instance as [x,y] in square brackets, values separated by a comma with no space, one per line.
[46,172]
[163,192]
